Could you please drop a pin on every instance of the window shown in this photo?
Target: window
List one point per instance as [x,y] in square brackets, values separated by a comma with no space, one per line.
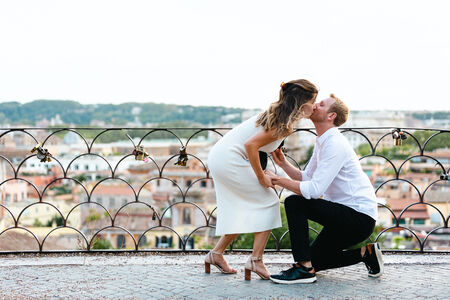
[111,203]
[401,221]
[23,196]
[188,182]
[86,167]
[143,241]
[174,183]
[77,167]
[203,183]
[99,200]
[186,216]
[419,221]
[8,197]
[158,183]
[15,197]
[120,241]
[163,242]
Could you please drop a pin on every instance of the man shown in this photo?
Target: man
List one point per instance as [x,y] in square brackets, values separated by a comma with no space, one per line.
[334,192]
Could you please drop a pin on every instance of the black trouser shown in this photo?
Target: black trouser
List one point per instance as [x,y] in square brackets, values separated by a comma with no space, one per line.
[342,227]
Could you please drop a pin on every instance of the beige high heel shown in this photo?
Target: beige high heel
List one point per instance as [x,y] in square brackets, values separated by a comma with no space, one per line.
[209,260]
[250,267]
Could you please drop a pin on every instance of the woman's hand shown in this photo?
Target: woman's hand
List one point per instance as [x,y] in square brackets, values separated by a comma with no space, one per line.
[273,177]
[266,181]
[279,158]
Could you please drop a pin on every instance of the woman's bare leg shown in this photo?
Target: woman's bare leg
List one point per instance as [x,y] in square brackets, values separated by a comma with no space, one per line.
[259,245]
[220,247]
[224,242]
[260,242]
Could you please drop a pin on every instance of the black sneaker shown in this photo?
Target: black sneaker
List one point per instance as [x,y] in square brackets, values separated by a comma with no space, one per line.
[294,275]
[373,260]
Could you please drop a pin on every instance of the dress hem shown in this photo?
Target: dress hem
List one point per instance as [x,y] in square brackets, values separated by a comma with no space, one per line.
[247,231]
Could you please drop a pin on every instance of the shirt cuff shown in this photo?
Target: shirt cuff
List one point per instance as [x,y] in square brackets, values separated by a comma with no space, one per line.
[305,176]
[304,189]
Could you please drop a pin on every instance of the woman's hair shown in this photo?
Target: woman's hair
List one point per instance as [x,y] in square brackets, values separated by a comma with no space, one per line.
[282,114]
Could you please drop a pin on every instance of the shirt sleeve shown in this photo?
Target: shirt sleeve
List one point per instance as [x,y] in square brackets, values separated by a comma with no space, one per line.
[311,167]
[332,158]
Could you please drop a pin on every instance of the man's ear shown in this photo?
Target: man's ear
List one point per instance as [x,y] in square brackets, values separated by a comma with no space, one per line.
[332,116]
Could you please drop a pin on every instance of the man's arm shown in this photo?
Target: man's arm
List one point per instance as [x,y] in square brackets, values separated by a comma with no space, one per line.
[292,185]
[280,159]
[328,167]
[332,158]
[293,172]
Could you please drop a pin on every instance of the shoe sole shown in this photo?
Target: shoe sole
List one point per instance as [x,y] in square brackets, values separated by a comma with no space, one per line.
[380,261]
[305,280]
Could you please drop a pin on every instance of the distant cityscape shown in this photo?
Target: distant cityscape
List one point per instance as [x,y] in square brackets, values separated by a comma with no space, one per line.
[51,113]
[109,195]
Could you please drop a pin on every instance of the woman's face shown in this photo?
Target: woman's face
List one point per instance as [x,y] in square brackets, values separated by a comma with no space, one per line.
[307,109]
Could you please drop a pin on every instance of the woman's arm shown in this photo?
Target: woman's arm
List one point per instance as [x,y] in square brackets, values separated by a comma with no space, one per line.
[291,171]
[252,147]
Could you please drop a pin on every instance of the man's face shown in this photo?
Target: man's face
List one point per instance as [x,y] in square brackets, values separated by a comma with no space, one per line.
[321,108]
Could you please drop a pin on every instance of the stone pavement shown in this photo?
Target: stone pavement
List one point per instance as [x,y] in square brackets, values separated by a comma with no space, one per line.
[181,276]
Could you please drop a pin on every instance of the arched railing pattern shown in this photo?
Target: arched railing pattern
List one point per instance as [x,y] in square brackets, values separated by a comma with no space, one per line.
[162,213]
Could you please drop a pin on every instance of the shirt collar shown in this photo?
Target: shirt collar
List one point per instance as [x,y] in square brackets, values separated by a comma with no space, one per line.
[331,131]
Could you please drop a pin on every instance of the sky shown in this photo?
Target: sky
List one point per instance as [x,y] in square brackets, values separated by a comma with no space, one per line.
[374,55]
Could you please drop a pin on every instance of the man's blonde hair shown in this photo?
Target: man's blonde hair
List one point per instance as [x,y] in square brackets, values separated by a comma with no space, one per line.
[340,109]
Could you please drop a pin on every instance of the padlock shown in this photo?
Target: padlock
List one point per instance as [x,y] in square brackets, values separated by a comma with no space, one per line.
[183,158]
[140,154]
[398,137]
[42,154]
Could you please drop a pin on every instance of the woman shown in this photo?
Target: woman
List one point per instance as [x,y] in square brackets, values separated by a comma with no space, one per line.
[245,201]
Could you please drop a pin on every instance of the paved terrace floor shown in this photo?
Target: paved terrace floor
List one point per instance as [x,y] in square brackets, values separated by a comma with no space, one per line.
[181,276]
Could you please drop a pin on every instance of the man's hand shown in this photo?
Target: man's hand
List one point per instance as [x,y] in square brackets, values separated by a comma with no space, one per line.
[279,158]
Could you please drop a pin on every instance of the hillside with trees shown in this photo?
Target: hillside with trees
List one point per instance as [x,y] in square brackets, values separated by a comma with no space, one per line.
[72,112]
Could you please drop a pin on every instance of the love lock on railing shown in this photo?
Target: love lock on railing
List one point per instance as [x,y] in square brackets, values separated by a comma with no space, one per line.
[42,154]
[140,154]
[398,135]
[139,151]
[183,158]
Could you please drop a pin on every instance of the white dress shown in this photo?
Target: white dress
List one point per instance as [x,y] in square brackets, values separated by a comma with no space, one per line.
[243,204]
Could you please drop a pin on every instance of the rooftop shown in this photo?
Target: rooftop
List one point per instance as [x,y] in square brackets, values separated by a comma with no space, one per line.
[181,276]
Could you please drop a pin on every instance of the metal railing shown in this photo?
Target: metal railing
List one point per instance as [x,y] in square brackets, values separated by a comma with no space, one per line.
[161,217]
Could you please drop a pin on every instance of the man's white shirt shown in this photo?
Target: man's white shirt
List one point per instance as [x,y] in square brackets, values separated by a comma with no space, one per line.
[335,174]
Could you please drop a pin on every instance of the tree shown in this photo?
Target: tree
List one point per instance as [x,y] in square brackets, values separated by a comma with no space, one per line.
[37,223]
[58,220]
[245,241]
[101,243]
